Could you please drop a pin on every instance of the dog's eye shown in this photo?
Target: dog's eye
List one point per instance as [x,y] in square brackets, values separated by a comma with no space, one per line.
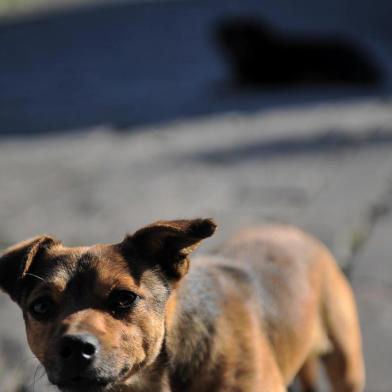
[122,300]
[41,307]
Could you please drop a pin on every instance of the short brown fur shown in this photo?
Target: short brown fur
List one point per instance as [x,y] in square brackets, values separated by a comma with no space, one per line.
[248,318]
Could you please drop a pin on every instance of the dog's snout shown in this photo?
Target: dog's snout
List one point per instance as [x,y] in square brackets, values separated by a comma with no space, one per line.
[79,349]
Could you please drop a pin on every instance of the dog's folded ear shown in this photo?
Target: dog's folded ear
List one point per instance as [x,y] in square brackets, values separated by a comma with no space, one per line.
[168,243]
[17,260]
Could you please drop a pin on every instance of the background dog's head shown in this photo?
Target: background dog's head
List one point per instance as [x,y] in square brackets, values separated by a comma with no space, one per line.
[95,315]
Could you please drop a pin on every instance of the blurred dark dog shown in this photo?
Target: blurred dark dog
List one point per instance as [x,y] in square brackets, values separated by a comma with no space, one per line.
[259,55]
[136,316]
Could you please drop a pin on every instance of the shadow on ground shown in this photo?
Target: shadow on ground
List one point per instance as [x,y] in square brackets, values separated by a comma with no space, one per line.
[286,147]
[125,64]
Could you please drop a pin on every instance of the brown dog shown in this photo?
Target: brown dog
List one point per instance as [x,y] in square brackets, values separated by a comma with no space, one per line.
[135,316]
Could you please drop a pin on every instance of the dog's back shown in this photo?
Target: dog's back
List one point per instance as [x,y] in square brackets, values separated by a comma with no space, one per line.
[275,292]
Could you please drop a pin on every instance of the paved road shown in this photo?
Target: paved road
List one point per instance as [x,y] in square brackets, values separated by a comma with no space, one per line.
[318,158]
[326,167]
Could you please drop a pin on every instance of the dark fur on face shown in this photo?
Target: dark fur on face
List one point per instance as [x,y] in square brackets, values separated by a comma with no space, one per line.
[115,293]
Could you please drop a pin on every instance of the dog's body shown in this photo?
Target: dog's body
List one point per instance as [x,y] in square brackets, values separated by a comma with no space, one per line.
[248,318]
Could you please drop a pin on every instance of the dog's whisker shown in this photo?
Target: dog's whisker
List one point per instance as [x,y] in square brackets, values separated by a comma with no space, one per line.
[35,375]
[23,362]
[43,372]
[35,276]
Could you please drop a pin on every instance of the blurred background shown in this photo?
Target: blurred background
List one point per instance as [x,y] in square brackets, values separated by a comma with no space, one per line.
[114,114]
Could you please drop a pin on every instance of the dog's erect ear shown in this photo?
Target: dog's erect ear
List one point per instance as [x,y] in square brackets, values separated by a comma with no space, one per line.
[17,260]
[168,243]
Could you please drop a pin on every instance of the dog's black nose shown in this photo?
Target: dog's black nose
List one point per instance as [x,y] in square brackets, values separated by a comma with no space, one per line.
[79,350]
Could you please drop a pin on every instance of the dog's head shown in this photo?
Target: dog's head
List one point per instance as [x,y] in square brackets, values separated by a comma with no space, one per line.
[95,315]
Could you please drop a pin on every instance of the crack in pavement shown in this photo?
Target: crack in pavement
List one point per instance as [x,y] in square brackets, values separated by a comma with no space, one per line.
[376,212]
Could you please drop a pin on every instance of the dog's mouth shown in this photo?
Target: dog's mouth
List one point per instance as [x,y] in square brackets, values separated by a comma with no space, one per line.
[85,384]
[90,384]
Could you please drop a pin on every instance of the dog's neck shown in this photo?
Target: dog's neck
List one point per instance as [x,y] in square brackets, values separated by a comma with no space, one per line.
[190,315]
[187,342]
[153,378]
